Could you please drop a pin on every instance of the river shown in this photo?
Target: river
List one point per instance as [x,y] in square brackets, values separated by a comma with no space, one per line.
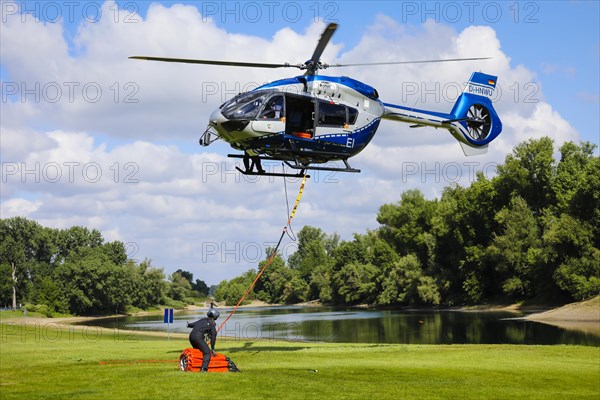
[355,325]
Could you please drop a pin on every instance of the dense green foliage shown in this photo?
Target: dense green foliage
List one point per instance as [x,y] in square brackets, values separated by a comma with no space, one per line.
[58,362]
[532,231]
[75,271]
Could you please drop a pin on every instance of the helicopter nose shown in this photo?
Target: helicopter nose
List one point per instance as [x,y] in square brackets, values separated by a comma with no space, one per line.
[226,126]
[215,128]
[216,119]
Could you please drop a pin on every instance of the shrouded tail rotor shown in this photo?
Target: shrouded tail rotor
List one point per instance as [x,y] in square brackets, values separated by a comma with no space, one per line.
[479,122]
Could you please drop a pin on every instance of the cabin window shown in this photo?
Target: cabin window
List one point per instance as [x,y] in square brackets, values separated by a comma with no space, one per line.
[331,114]
[352,115]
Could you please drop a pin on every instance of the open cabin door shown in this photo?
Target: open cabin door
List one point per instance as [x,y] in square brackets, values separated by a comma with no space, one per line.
[294,115]
[300,116]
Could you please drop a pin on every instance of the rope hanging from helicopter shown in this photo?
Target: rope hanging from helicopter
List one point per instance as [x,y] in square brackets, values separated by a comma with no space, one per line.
[273,254]
[290,232]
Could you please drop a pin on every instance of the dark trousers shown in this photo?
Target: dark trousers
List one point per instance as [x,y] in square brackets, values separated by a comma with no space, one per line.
[200,344]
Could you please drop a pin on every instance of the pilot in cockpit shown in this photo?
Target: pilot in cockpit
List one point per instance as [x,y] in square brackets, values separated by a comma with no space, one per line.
[273,109]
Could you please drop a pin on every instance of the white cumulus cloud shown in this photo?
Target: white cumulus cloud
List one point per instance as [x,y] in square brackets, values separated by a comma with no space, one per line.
[128,162]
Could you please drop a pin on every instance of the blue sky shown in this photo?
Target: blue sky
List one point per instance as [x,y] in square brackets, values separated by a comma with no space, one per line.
[187,199]
[558,40]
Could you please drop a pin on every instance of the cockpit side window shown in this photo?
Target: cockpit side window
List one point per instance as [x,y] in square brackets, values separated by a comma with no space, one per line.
[245,106]
[274,108]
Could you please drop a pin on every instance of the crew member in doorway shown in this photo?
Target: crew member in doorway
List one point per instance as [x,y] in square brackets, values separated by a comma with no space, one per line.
[203,330]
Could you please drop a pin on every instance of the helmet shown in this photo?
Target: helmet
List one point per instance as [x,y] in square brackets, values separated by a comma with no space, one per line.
[212,313]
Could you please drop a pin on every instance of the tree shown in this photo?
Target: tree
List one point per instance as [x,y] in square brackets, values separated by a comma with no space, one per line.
[295,289]
[585,203]
[570,248]
[72,270]
[6,285]
[405,283]
[362,261]
[77,238]
[212,290]
[188,276]
[529,173]
[320,287]
[230,292]
[152,288]
[116,252]
[46,292]
[201,287]
[533,230]
[180,286]
[580,277]
[19,239]
[405,225]
[269,287]
[356,283]
[90,282]
[517,250]
[477,279]
[313,261]
[312,251]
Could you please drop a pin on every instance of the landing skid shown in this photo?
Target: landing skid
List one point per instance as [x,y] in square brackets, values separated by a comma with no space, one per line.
[335,169]
[295,164]
[282,175]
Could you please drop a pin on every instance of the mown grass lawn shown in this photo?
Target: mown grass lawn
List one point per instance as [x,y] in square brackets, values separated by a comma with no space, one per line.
[53,362]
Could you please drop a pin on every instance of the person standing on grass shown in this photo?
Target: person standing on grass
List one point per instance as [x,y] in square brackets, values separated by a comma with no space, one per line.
[202,330]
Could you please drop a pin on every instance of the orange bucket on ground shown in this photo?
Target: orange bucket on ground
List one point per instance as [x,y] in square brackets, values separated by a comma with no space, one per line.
[191,359]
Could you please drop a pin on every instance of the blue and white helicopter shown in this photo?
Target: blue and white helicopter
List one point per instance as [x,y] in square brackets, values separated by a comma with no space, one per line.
[311,120]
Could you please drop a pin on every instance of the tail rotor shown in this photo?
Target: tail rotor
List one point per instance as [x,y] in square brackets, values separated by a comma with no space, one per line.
[479,122]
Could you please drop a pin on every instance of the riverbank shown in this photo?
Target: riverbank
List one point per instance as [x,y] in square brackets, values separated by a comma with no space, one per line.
[584,311]
[583,316]
[77,324]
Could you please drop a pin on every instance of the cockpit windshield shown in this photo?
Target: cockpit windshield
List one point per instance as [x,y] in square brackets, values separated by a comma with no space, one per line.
[244,106]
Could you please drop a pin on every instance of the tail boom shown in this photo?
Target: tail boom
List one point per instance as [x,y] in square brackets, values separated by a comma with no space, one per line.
[472,121]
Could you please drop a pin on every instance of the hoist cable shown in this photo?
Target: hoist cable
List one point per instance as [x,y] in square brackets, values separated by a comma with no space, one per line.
[271,256]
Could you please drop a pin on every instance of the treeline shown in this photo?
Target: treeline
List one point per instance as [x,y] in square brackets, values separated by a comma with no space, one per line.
[531,232]
[75,271]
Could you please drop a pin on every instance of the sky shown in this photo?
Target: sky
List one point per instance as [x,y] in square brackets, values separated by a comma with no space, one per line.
[91,138]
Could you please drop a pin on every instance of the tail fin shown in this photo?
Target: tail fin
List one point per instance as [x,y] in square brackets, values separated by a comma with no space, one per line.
[474,121]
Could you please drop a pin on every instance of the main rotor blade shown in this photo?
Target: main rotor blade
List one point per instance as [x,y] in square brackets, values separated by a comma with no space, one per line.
[325,38]
[409,62]
[214,62]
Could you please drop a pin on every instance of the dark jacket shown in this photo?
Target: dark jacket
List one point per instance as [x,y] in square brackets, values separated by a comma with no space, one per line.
[204,326]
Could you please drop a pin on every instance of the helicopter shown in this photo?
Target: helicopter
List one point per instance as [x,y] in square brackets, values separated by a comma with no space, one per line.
[312,120]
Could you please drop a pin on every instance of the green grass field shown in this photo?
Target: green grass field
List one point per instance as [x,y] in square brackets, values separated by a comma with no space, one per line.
[53,362]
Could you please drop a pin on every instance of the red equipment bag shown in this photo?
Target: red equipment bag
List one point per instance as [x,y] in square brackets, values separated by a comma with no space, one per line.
[191,361]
